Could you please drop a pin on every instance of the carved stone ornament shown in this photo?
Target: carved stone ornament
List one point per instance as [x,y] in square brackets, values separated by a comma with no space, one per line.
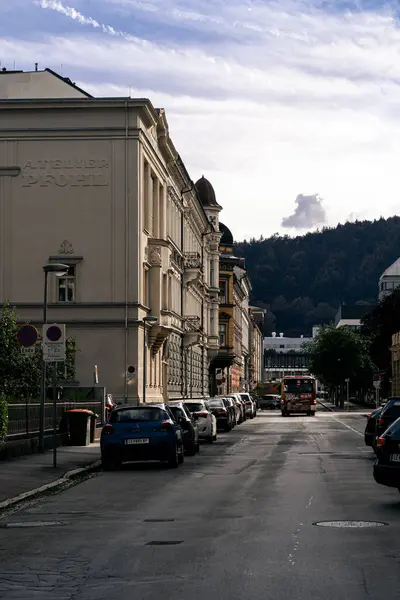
[66,248]
[155,255]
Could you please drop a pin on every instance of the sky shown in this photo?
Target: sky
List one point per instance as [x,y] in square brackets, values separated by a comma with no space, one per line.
[291,108]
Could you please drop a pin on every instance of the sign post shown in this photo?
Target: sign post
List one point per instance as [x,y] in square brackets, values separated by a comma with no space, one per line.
[54,350]
[377,385]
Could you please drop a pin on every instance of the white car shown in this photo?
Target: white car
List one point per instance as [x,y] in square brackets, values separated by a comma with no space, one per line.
[206,422]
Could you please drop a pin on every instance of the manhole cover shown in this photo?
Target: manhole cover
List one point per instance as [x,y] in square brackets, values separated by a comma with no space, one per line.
[158,520]
[350,524]
[35,524]
[163,543]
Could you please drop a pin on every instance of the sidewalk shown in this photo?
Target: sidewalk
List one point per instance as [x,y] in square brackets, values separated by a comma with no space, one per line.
[21,475]
[348,407]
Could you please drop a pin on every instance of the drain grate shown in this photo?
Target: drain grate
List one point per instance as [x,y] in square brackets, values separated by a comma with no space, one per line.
[350,524]
[35,524]
[158,520]
[164,543]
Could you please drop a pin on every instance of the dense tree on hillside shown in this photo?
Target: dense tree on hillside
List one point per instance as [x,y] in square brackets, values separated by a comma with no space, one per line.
[303,280]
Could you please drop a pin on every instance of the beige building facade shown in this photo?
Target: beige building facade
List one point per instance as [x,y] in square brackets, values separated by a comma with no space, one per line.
[103,190]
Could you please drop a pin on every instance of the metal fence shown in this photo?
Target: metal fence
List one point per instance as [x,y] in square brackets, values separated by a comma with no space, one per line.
[24,415]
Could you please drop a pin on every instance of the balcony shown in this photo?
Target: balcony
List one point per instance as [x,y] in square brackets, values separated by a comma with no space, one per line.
[193,335]
[193,268]
[213,346]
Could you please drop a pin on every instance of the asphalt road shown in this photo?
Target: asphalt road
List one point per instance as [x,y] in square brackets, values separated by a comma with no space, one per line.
[241,514]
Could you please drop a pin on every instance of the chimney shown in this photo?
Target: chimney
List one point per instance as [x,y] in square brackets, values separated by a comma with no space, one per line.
[36,66]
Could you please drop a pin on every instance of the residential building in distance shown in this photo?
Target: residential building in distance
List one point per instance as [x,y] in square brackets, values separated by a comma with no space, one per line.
[389,280]
[237,364]
[350,315]
[103,190]
[284,356]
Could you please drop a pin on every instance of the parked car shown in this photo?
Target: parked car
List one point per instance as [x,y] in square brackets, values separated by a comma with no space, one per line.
[251,409]
[206,421]
[221,412]
[270,402]
[390,412]
[237,408]
[370,428]
[237,399]
[141,433]
[229,402]
[387,465]
[189,426]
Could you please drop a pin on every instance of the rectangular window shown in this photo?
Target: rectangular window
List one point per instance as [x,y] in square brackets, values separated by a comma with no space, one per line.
[146,287]
[223,292]
[146,191]
[222,334]
[212,273]
[165,292]
[66,286]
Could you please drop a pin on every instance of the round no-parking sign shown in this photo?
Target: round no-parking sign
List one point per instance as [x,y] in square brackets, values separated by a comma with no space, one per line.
[27,335]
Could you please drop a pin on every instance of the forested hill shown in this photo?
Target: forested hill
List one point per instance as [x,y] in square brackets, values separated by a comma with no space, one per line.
[303,280]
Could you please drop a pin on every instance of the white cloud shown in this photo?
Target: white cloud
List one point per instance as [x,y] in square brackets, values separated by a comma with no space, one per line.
[272,98]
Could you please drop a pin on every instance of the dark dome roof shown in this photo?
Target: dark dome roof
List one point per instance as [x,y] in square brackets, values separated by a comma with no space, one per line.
[227,237]
[206,192]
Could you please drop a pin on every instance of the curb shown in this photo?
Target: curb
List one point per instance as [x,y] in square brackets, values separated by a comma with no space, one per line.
[325,406]
[67,478]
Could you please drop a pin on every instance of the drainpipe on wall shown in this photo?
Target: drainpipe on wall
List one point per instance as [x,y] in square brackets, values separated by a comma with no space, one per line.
[126,250]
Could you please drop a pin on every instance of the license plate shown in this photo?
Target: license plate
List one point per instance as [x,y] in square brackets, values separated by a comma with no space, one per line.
[395,457]
[137,441]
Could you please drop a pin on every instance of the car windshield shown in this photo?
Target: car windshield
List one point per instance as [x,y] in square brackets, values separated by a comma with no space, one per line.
[196,406]
[302,386]
[215,403]
[129,415]
[177,412]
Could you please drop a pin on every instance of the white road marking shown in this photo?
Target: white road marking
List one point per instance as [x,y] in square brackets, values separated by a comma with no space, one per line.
[349,427]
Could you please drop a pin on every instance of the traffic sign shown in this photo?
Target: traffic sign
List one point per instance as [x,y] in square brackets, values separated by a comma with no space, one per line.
[53,340]
[28,350]
[27,335]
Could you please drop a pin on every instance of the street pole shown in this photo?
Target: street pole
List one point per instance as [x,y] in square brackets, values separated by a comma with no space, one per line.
[43,374]
[144,362]
[348,392]
[55,415]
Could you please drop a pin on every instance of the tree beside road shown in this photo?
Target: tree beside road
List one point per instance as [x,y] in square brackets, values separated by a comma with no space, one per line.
[340,354]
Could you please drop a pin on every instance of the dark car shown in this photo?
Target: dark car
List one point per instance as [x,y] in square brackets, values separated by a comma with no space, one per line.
[390,412]
[370,428]
[189,426]
[230,404]
[141,433]
[221,412]
[270,402]
[387,465]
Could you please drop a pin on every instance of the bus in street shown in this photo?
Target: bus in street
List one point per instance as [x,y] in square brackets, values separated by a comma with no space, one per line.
[299,395]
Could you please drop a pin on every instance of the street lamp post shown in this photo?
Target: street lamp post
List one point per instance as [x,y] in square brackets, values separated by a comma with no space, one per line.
[59,270]
[152,320]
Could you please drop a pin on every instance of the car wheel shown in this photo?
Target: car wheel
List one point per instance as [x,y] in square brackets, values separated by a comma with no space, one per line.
[173,461]
[210,439]
[191,451]
[215,437]
[228,427]
[181,456]
[283,412]
[198,446]
[107,464]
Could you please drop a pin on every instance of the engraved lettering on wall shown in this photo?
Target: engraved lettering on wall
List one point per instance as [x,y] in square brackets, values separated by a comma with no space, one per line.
[56,172]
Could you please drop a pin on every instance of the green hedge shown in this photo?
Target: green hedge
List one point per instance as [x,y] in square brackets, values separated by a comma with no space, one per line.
[3,417]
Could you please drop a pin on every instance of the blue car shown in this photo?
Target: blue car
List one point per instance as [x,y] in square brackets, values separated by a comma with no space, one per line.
[141,433]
